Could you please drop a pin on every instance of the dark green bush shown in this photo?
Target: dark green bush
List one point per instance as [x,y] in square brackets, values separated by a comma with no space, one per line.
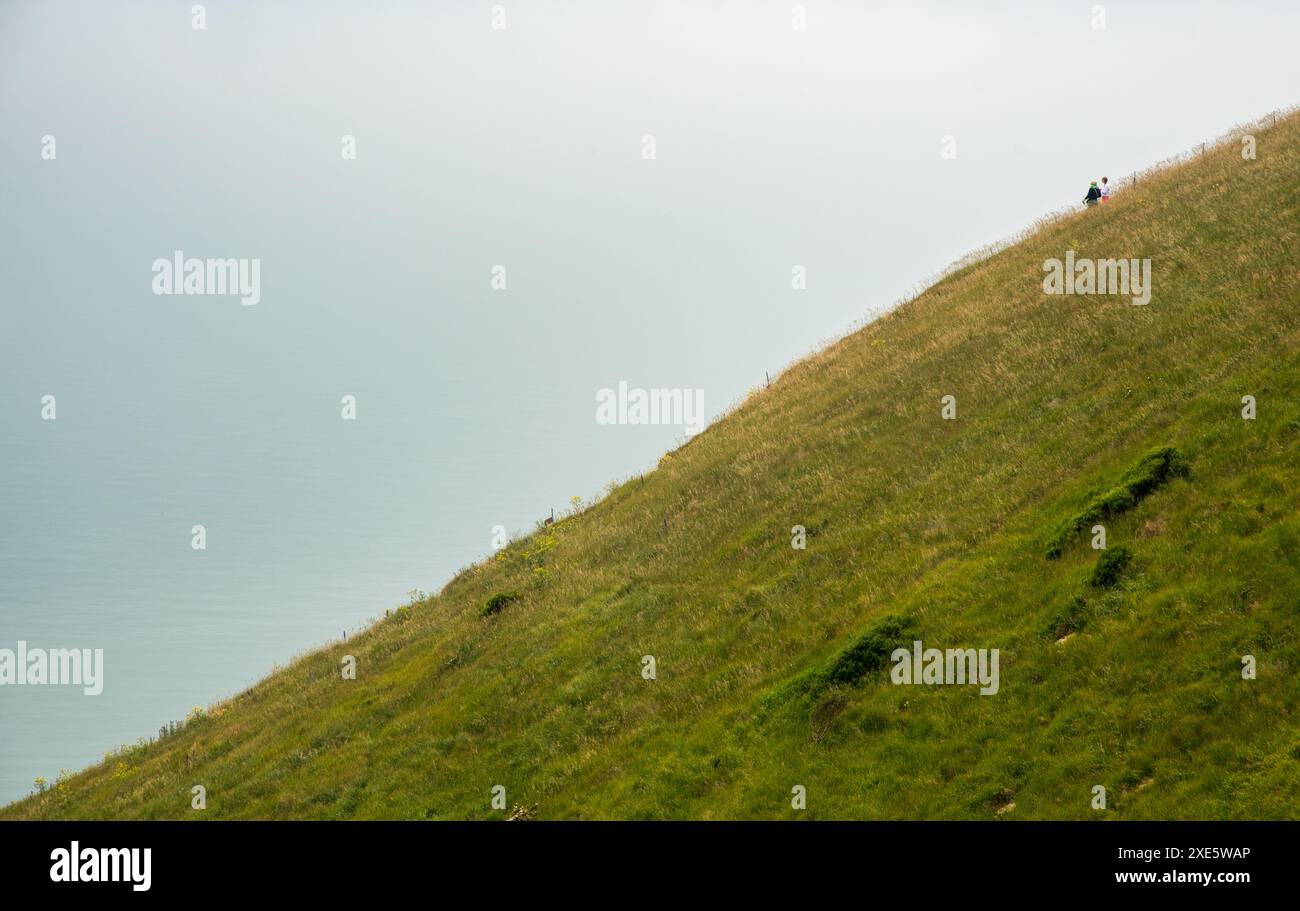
[497,603]
[1109,566]
[1068,620]
[1152,471]
[870,651]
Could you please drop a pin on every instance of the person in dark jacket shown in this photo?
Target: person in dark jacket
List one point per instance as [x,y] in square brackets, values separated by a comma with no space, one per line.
[1093,195]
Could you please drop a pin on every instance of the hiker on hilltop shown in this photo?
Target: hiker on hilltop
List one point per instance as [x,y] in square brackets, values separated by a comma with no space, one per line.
[1093,195]
[1105,190]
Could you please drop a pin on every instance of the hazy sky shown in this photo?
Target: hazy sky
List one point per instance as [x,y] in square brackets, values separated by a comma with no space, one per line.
[476,147]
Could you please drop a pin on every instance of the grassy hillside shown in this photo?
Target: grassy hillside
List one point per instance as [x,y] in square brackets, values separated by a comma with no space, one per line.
[1070,411]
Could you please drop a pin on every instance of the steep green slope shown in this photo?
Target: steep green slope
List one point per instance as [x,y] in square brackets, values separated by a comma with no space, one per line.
[769,658]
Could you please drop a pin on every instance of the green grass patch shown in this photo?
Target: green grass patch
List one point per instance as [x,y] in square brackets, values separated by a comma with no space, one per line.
[1152,472]
[1070,619]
